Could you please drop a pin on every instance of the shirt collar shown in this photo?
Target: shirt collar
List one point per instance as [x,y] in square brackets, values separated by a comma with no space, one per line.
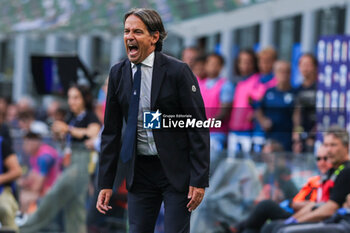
[149,61]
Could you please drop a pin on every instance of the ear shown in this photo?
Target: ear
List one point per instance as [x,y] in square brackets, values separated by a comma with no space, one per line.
[155,37]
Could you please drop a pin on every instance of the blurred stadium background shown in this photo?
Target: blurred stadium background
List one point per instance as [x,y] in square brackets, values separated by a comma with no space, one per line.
[92,29]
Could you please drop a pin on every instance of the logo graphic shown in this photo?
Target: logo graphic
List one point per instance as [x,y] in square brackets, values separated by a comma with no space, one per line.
[157,120]
[151,120]
[194,88]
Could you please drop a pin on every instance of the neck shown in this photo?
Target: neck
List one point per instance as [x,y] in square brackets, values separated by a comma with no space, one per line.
[340,163]
[266,73]
[283,87]
[36,149]
[308,82]
[79,112]
[247,74]
[213,77]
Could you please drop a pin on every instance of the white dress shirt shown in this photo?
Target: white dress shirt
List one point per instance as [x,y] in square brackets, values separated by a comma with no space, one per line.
[145,140]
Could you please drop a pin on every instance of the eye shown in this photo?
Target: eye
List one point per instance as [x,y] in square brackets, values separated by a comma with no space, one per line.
[138,31]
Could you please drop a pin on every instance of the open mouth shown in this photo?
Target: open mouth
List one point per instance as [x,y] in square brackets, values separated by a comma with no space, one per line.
[133,49]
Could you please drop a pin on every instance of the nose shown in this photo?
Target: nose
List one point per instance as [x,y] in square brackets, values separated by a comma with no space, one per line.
[129,36]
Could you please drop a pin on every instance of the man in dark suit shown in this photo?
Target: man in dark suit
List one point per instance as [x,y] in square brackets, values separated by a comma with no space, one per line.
[167,164]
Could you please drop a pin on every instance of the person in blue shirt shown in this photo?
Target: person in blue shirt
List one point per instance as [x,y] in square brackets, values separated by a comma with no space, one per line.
[266,59]
[275,110]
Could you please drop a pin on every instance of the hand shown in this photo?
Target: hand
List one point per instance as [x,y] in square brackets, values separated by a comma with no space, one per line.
[266,124]
[60,128]
[290,220]
[103,199]
[196,195]
[90,143]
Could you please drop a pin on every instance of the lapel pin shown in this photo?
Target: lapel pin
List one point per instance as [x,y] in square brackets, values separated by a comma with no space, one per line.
[194,88]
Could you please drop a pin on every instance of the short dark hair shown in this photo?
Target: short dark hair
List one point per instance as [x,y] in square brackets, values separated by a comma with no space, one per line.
[153,22]
[339,133]
[26,115]
[32,135]
[218,56]
[254,58]
[312,57]
[201,58]
[194,48]
[276,146]
[86,94]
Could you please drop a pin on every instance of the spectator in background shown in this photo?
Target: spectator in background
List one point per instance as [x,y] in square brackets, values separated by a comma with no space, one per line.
[11,117]
[271,210]
[4,129]
[44,169]
[336,142]
[52,111]
[240,124]
[266,60]
[10,170]
[4,102]
[275,110]
[217,93]
[338,223]
[189,55]
[60,114]
[69,191]
[28,123]
[305,110]
[277,183]
[199,69]
[25,104]
[245,65]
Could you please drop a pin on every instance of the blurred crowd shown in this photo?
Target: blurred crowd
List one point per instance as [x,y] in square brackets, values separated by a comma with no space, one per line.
[49,153]
[259,104]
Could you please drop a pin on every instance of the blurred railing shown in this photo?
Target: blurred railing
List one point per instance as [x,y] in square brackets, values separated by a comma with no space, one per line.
[236,184]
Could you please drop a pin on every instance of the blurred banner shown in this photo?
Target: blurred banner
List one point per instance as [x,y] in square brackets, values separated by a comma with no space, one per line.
[333,92]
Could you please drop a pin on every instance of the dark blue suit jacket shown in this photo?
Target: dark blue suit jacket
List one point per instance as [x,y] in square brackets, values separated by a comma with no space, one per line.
[184,153]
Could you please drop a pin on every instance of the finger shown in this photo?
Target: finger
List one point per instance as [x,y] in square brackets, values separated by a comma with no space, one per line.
[192,204]
[99,206]
[100,209]
[102,199]
[196,199]
[106,201]
[190,192]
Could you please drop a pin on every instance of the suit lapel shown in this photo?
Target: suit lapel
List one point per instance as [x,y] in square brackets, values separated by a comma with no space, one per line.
[157,77]
[127,78]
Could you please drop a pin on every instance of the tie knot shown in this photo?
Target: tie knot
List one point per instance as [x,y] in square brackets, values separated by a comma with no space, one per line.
[138,66]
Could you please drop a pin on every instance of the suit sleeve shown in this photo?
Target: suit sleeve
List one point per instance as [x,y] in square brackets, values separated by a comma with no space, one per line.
[192,103]
[111,135]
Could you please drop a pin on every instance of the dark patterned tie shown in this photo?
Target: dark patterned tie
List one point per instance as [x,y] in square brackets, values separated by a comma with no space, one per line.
[129,140]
